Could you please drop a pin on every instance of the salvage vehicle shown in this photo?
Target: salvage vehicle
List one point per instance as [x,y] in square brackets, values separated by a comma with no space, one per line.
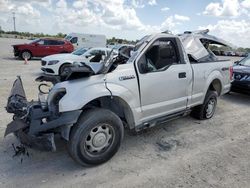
[158,83]
[42,47]
[55,64]
[241,76]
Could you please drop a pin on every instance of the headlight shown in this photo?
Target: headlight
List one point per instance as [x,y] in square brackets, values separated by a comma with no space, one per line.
[53,62]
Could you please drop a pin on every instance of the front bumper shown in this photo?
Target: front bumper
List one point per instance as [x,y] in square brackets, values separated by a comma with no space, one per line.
[50,69]
[33,124]
[38,135]
[240,86]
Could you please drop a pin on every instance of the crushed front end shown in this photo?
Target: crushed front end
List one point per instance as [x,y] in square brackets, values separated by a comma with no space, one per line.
[35,123]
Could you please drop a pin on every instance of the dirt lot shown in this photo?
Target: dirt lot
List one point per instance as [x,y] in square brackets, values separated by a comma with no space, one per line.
[182,153]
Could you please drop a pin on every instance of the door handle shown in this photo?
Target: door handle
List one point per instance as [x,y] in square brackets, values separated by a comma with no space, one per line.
[182,75]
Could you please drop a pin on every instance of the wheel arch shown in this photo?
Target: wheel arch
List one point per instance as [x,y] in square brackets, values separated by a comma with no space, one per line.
[115,104]
[63,64]
[214,82]
[216,85]
[25,50]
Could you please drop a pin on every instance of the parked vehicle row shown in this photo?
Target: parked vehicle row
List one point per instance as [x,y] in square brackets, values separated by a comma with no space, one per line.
[229,53]
[163,78]
[49,46]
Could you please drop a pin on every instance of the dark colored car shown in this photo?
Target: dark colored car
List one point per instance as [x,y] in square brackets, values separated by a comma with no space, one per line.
[241,74]
[42,47]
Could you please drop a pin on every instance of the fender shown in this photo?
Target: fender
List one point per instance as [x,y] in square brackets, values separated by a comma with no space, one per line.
[82,91]
[215,75]
[78,94]
[129,97]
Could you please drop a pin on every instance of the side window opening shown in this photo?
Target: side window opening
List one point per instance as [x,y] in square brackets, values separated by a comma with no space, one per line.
[161,55]
[41,42]
[211,56]
[59,42]
[74,40]
[98,56]
[54,42]
[46,42]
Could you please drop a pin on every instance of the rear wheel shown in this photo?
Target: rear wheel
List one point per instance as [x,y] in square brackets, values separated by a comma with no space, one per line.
[96,137]
[207,109]
[26,55]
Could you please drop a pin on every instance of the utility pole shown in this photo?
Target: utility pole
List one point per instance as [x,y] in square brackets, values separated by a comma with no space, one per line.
[14,20]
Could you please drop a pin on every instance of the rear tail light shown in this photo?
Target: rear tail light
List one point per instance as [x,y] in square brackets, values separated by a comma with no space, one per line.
[231,72]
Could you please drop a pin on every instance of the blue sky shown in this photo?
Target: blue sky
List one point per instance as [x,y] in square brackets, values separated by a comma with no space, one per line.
[131,19]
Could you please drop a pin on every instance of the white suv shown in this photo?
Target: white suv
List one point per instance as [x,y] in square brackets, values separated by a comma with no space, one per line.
[55,64]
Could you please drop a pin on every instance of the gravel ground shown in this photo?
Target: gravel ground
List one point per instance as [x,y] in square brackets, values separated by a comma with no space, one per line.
[182,153]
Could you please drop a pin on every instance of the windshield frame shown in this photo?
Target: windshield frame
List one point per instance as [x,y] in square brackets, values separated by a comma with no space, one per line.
[138,47]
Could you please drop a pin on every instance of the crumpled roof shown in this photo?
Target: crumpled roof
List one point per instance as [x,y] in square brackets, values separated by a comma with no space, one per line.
[193,45]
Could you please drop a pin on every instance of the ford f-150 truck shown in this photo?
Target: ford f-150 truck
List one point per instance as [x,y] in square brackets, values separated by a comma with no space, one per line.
[166,77]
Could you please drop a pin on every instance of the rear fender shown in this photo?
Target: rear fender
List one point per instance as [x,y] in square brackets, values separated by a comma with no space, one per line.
[215,75]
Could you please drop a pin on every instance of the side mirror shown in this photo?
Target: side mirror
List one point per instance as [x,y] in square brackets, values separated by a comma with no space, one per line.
[36,44]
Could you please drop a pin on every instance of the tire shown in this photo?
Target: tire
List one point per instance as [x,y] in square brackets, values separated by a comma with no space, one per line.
[26,54]
[62,68]
[96,137]
[207,109]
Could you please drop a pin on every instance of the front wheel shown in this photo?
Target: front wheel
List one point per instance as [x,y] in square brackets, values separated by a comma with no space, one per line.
[64,69]
[96,137]
[207,109]
[26,55]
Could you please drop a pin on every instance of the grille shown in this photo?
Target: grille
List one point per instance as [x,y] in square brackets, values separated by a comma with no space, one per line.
[43,63]
[242,76]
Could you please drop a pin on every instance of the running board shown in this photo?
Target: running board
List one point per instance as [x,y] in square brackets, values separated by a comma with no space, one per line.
[162,120]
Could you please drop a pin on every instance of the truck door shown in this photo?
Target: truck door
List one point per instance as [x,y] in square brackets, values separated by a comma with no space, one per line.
[165,79]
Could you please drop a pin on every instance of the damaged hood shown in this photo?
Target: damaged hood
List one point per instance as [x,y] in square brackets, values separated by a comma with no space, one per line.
[194,47]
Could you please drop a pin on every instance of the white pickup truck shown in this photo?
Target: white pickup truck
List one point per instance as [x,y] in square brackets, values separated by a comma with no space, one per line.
[166,77]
